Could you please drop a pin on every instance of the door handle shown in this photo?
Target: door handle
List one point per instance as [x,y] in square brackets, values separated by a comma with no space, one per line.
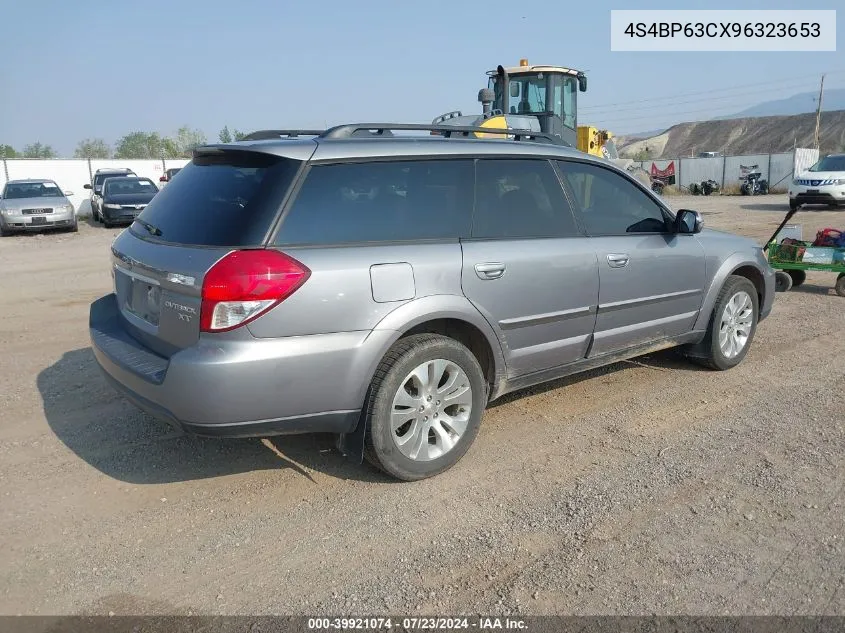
[617,260]
[491,270]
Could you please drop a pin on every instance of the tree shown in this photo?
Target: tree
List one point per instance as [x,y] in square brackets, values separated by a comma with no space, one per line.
[643,154]
[187,139]
[37,150]
[7,151]
[92,148]
[225,136]
[139,145]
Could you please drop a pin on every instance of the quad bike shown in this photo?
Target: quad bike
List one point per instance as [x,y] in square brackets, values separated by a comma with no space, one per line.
[704,188]
[754,184]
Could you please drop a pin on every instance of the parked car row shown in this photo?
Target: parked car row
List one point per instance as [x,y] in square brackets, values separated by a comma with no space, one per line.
[118,195]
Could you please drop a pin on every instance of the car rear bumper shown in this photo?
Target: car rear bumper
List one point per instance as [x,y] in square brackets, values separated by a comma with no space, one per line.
[241,388]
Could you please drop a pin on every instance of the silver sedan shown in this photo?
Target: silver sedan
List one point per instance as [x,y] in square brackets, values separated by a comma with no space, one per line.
[34,205]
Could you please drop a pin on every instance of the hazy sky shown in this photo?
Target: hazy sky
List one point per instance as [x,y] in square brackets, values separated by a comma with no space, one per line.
[71,70]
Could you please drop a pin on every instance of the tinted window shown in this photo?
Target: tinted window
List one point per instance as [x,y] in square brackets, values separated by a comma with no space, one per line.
[609,204]
[129,186]
[381,201]
[99,178]
[830,163]
[222,199]
[520,198]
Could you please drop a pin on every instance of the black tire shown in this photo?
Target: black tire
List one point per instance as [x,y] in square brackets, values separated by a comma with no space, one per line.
[840,285]
[708,353]
[107,224]
[783,281]
[793,206]
[380,449]
[4,232]
[798,277]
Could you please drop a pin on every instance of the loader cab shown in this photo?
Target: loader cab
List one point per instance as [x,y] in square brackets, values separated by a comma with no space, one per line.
[549,93]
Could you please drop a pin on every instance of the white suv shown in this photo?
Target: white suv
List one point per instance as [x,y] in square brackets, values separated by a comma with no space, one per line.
[823,183]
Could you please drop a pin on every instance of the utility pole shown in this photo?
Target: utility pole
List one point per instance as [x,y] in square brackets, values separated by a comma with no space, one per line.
[819,112]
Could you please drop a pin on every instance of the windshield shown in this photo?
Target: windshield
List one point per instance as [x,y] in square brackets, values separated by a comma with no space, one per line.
[527,95]
[830,163]
[17,191]
[99,178]
[129,186]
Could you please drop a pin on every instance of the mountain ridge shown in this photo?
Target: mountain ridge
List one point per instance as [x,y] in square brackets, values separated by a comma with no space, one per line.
[746,135]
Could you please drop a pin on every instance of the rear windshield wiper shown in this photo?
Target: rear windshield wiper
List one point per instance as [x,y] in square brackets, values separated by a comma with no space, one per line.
[152,228]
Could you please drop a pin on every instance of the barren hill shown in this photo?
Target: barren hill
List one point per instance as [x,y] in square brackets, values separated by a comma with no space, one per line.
[743,136]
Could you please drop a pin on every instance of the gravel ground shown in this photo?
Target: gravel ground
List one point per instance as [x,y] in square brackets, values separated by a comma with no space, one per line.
[649,486]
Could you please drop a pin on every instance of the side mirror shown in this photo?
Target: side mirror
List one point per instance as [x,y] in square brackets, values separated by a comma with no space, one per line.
[163,179]
[86,186]
[688,221]
[582,83]
[68,193]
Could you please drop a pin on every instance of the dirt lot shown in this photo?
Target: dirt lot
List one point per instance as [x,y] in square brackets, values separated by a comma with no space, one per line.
[646,487]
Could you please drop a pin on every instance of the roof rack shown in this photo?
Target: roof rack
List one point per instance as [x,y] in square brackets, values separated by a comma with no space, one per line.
[351,130]
[263,135]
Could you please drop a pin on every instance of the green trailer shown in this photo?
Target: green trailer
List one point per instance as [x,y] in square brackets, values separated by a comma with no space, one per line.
[788,261]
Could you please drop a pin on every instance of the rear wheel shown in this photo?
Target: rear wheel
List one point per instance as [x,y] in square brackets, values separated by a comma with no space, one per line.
[783,281]
[424,407]
[731,327]
[840,285]
[798,277]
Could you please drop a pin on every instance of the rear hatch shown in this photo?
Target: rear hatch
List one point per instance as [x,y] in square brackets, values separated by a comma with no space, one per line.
[224,200]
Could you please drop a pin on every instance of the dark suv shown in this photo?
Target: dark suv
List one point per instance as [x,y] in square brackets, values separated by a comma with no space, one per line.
[387,288]
[96,186]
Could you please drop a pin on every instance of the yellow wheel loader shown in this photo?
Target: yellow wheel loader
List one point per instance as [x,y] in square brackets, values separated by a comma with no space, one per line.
[537,98]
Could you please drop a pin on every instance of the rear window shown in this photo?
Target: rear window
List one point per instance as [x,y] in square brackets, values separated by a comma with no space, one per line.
[381,202]
[222,199]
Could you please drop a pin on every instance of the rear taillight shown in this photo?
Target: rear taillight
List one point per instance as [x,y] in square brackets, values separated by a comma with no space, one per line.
[244,285]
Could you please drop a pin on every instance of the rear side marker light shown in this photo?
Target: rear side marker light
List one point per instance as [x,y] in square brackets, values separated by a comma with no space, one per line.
[245,284]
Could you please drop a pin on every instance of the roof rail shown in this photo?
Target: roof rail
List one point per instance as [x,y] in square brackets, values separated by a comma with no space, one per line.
[263,135]
[351,130]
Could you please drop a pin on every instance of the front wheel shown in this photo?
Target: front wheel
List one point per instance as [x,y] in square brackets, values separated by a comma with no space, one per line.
[424,407]
[731,327]
[798,277]
[793,206]
[783,281]
[840,285]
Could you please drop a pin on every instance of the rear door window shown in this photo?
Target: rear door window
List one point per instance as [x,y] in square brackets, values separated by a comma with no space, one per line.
[381,202]
[520,198]
[230,198]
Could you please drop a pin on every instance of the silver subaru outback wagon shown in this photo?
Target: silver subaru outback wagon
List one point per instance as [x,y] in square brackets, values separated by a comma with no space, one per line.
[386,289]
